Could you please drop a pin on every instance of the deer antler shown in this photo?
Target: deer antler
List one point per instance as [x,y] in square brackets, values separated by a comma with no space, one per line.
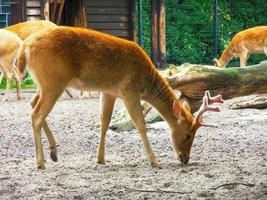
[207,99]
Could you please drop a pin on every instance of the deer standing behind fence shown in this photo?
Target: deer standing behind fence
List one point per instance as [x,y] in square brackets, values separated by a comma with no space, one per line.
[243,44]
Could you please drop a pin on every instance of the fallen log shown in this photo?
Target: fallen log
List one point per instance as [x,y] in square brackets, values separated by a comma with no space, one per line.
[193,80]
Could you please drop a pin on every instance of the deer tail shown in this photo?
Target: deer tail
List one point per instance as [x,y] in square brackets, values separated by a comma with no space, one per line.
[21,61]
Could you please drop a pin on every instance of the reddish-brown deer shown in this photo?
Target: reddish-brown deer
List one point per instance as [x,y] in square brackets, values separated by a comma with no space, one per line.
[25,29]
[90,60]
[243,44]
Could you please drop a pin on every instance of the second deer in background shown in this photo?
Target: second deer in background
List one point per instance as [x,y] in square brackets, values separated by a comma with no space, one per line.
[243,44]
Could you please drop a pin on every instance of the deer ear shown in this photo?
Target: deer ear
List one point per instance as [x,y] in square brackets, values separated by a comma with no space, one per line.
[185,105]
[176,109]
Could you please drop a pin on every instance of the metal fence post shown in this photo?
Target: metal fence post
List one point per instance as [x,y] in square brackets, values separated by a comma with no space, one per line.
[215,29]
[140,24]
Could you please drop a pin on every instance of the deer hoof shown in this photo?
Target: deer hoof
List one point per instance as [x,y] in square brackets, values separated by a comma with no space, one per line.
[53,156]
[155,164]
[101,162]
[41,166]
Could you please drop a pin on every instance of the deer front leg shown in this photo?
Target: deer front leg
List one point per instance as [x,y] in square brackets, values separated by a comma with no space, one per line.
[243,59]
[18,88]
[134,108]
[106,108]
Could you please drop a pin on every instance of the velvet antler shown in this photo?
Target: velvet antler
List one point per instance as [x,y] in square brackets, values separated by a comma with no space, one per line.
[207,99]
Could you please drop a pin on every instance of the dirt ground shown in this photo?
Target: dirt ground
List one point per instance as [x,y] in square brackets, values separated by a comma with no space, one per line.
[228,162]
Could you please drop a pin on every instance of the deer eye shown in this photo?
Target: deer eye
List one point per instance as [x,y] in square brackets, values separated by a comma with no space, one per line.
[188,137]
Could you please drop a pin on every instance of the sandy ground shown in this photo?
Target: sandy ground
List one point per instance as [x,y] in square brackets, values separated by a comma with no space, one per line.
[233,154]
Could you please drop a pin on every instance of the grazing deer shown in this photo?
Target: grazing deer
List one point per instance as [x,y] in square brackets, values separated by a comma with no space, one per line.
[118,68]
[244,43]
[9,46]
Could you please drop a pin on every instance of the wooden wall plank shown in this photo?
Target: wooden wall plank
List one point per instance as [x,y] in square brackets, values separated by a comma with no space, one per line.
[108,18]
[35,17]
[33,11]
[109,26]
[118,33]
[113,3]
[33,3]
[107,10]
[111,16]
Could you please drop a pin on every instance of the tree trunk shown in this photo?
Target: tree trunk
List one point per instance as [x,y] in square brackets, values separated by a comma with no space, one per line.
[194,80]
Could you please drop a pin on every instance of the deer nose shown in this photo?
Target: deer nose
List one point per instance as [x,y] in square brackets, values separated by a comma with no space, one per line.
[183,159]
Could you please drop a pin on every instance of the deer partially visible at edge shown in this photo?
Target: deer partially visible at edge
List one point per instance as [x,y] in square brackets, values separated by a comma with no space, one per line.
[10,39]
[243,44]
[25,29]
[89,60]
[9,47]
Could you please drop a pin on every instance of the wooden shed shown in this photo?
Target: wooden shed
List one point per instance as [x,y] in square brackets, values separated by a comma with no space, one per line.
[116,17]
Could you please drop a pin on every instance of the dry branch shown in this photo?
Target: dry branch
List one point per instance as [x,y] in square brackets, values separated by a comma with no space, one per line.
[155,191]
[233,184]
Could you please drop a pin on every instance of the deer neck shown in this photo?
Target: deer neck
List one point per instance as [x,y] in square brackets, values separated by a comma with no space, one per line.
[160,96]
[226,56]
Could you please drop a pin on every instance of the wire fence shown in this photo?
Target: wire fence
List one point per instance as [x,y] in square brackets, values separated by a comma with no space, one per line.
[199,30]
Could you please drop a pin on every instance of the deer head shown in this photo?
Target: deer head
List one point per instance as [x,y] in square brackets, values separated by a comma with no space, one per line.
[188,124]
[216,62]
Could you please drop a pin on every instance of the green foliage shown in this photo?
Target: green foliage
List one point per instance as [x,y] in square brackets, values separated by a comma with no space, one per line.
[189,27]
[26,83]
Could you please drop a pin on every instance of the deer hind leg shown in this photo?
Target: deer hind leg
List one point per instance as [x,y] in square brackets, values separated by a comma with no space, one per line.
[1,76]
[106,108]
[45,103]
[18,88]
[50,137]
[18,81]
[8,83]
[134,108]
[5,68]
[243,59]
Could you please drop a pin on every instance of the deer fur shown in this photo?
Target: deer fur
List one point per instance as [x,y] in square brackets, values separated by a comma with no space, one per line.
[25,29]
[243,44]
[9,46]
[89,60]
